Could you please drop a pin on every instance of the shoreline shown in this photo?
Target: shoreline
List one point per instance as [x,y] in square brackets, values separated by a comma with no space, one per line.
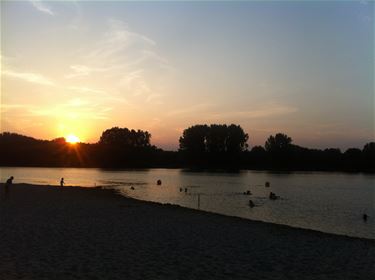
[115,192]
[74,221]
[174,206]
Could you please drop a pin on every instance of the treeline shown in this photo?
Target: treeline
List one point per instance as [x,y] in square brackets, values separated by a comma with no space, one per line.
[201,146]
[226,146]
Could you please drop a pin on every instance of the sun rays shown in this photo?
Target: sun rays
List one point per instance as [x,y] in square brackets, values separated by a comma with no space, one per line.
[72,139]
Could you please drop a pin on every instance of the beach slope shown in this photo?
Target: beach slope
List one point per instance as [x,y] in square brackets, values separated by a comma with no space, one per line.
[49,232]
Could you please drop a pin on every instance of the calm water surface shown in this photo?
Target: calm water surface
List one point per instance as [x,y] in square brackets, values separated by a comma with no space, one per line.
[329,202]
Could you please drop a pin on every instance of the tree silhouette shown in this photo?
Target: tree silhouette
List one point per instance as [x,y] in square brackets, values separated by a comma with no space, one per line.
[257,157]
[278,143]
[353,155]
[193,139]
[125,138]
[216,138]
[217,144]
[213,139]
[237,139]
[369,149]
[279,147]
[368,154]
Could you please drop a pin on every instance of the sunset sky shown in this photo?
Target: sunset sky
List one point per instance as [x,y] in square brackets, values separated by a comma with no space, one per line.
[305,69]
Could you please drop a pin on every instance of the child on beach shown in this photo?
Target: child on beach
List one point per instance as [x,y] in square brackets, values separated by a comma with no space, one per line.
[62,182]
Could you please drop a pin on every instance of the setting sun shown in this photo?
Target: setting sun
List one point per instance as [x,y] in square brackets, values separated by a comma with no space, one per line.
[72,139]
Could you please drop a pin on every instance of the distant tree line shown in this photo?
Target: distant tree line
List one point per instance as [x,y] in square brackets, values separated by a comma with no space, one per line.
[204,145]
[201,146]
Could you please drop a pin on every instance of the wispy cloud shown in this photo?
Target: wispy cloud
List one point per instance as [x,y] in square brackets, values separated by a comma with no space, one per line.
[74,109]
[124,48]
[135,83]
[76,22]
[8,107]
[125,60]
[118,39]
[192,109]
[155,98]
[266,111]
[132,77]
[40,6]
[77,102]
[84,70]
[86,90]
[13,106]
[29,77]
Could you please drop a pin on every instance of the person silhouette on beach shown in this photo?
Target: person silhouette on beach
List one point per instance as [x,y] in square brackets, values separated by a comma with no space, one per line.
[8,183]
[62,182]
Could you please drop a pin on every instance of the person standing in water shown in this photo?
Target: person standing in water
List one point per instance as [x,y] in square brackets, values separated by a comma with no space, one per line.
[62,182]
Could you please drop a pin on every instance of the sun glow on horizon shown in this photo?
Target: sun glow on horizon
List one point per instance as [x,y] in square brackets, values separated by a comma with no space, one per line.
[72,139]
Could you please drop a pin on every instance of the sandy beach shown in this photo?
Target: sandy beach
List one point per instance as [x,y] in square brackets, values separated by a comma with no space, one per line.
[49,232]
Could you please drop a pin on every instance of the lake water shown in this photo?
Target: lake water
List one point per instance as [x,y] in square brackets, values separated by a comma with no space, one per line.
[328,202]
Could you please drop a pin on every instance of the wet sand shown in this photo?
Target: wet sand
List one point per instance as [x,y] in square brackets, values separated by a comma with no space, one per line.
[49,232]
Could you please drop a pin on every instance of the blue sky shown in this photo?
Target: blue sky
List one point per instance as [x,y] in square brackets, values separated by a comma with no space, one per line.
[302,68]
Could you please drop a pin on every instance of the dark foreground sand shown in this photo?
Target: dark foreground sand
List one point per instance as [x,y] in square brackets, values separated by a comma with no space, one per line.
[77,233]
